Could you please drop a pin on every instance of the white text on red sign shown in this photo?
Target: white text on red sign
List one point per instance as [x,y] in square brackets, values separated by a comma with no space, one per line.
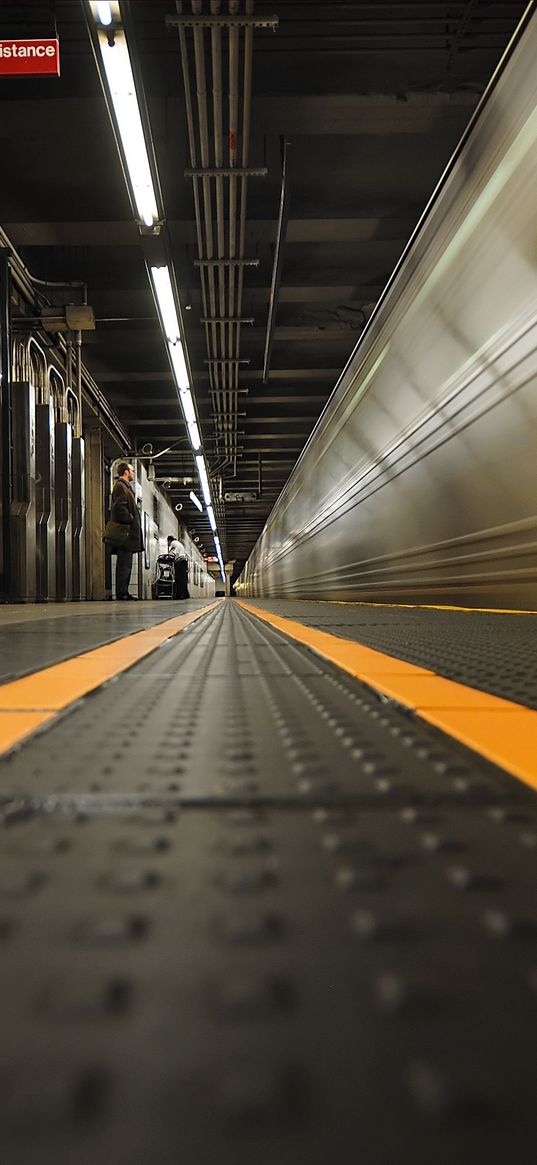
[29,58]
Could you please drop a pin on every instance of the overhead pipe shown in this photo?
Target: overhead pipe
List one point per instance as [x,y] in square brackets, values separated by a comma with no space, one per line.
[221,273]
[38,370]
[216,51]
[247,109]
[195,172]
[201,87]
[202,204]
[69,362]
[201,92]
[193,162]
[192,145]
[233,37]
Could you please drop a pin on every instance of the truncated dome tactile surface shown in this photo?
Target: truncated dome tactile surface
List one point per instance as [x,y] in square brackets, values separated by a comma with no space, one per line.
[251,912]
[492,651]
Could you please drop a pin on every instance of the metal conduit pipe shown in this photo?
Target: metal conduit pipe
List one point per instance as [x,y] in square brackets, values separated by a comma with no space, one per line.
[222,279]
[201,91]
[216,51]
[69,361]
[207,274]
[233,161]
[193,159]
[247,107]
[37,362]
[218,378]
[78,430]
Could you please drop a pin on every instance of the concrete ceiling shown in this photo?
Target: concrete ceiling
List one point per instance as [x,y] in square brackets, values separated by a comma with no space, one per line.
[371,98]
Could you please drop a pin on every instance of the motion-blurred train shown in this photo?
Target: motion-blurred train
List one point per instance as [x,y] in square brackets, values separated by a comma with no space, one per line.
[419,481]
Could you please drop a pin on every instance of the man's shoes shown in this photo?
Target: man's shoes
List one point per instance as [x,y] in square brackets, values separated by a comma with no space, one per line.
[125,598]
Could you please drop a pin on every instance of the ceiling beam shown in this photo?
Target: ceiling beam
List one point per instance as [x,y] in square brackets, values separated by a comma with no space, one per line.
[363,114]
[330,229]
[129,376]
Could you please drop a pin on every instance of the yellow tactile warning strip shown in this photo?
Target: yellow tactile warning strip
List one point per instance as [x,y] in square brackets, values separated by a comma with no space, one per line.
[14,726]
[502,731]
[32,701]
[426,607]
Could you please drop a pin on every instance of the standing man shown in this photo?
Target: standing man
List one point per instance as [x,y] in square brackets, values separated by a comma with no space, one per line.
[178,552]
[125,511]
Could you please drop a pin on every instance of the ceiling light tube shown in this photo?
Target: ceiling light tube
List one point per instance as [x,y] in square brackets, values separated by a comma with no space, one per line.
[211,517]
[104,12]
[218,550]
[166,303]
[195,500]
[204,480]
[187,405]
[194,434]
[122,90]
[177,357]
[219,557]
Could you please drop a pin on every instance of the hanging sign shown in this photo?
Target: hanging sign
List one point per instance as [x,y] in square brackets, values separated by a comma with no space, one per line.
[25,58]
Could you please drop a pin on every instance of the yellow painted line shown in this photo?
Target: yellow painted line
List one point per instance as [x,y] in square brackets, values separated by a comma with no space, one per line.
[419,607]
[31,701]
[502,731]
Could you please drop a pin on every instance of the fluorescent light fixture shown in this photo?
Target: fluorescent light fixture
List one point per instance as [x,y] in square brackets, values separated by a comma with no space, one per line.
[196,501]
[164,294]
[210,515]
[120,79]
[202,471]
[166,303]
[219,557]
[187,405]
[104,13]
[194,434]
[177,357]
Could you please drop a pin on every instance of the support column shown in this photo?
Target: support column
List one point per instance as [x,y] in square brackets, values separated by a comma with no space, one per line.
[228,569]
[78,518]
[95,551]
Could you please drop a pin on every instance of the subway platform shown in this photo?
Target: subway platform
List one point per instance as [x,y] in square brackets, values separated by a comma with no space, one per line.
[268,884]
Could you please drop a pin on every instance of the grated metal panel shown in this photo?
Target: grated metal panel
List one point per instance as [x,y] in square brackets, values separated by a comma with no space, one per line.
[245,960]
[233,710]
[494,652]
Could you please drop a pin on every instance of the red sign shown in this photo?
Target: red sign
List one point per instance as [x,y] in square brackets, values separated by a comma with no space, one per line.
[29,57]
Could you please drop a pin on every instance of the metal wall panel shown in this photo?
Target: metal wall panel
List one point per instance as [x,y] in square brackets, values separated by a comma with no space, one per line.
[94,523]
[77,518]
[23,513]
[63,510]
[44,500]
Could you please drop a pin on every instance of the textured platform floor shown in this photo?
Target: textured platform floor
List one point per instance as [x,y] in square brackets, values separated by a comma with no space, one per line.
[251,911]
[494,651]
[36,636]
